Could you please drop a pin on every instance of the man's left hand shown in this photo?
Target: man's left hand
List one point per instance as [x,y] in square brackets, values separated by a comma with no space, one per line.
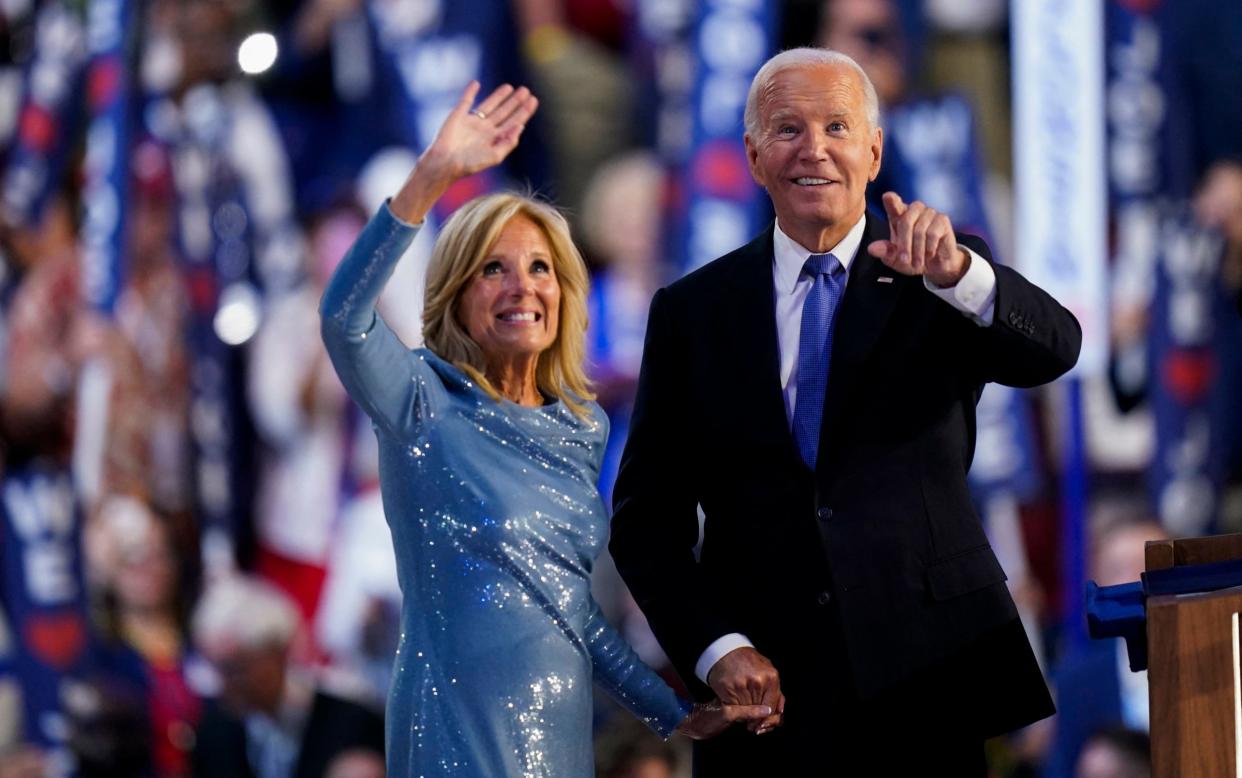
[921,243]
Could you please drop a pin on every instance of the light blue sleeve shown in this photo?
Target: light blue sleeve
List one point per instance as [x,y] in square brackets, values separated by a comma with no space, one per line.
[376,368]
[629,680]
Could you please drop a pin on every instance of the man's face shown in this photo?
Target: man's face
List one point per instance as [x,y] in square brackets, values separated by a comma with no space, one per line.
[814,150]
[252,680]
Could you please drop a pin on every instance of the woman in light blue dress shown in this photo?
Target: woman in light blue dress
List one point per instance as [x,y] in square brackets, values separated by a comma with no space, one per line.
[490,448]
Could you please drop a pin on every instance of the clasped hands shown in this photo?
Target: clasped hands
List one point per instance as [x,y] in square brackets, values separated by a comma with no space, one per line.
[921,243]
[747,687]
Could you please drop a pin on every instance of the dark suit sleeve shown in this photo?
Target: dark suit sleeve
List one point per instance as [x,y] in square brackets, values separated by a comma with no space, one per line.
[1032,340]
[655,524]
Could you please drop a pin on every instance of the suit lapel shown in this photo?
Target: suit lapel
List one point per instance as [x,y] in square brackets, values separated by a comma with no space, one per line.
[864,311]
[749,314]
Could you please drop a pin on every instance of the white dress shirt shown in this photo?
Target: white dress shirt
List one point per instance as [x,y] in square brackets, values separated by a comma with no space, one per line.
[974,295]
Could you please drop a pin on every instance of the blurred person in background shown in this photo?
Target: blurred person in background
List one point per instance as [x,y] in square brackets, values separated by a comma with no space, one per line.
[23,763]
[1218,204]
[315,453]
[882,612]
[151,314]
[79,705]
[319,523]
[489,456]
[43,319]
[1115,753]
[359,620]
[272,719]
[626,749]
[143,604]
[572,49]
[1095,689]
[621,229]
[357,763]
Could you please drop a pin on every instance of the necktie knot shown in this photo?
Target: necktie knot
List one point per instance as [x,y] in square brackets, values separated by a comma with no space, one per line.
[822,265]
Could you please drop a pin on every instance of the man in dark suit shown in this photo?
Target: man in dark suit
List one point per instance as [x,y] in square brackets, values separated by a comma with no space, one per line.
[813,392]
[271,719]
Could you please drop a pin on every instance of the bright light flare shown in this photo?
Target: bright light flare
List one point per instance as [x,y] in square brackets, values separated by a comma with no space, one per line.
[237,317]
[257,53]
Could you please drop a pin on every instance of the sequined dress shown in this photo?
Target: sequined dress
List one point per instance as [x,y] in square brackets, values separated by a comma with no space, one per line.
[496,521]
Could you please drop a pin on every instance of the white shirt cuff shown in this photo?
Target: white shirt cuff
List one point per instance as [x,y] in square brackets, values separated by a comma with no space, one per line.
[719,647]
[974,294]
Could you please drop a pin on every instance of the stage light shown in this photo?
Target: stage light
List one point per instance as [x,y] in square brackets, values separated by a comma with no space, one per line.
[257,53]
[237,318]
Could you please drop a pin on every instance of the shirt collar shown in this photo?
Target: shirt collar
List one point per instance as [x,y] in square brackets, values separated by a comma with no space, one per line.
[790,256]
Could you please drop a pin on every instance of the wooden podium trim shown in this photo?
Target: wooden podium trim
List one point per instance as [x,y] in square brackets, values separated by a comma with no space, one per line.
[1163,554]
[1189,651]
[1237,701]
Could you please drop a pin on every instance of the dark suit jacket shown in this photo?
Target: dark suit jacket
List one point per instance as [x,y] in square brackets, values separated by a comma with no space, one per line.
[335,725]
[883,537]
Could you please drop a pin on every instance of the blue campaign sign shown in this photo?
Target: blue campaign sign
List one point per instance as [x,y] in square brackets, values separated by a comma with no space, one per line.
[110,23]
[1166,264]
[44,595]
[429,52]
[1187,471]
[52,80]
[723,207]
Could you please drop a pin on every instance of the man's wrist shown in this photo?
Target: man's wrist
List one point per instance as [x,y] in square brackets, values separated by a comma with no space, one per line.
[949,283]
[974,294]
[717,650]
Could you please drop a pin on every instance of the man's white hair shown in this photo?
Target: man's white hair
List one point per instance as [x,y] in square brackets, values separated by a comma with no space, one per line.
[247,612]
[807,57]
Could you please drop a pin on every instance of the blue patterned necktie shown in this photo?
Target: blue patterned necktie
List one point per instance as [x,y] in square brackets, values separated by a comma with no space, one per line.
[815,350]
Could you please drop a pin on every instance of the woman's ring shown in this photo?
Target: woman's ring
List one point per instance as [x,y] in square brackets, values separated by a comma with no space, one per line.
[479,114]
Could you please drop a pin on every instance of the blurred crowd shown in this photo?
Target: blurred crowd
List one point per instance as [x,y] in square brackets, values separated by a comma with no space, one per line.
[197,575]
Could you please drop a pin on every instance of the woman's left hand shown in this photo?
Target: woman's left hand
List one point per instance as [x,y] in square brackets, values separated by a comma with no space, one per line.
[709,719]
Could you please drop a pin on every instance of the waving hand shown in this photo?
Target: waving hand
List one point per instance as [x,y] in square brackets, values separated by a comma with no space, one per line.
[470,140]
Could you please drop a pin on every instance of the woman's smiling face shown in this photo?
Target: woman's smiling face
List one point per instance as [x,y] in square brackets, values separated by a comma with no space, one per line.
[511,305]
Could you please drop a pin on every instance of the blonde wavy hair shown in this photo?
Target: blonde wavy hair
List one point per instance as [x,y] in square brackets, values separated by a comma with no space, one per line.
[460,251]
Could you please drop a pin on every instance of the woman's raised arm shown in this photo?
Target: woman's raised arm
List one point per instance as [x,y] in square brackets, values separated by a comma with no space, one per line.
[375,367]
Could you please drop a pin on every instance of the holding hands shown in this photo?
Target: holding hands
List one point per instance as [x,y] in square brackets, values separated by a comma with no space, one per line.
[745,677]
[709,719]
[469,141]
[921,243]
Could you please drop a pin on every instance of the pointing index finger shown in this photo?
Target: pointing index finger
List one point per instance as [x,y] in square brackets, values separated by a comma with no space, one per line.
[893,205]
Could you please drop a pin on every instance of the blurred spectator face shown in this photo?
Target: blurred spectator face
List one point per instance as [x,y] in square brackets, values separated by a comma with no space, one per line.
[146,570]
[815,151]
[330,238]
[651,767]
[44,320]
[154,196]
[1120,557]
[358,763]
[206,40]
[1219,200]
[54,236]
[252,680]
[1114,755]
[870,32]
[621,210]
